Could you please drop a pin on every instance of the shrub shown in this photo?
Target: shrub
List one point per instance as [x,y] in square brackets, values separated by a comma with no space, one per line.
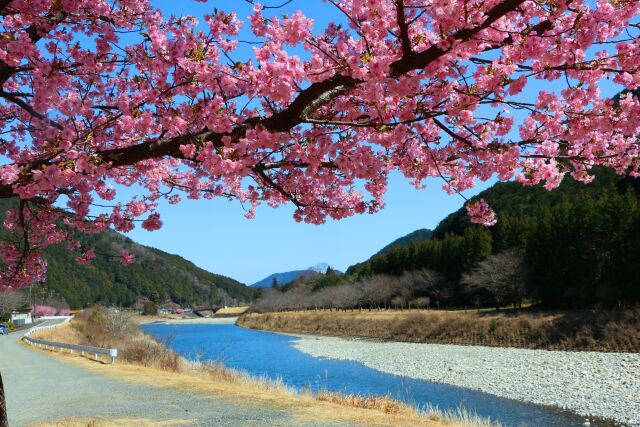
[149,309]
[115,329]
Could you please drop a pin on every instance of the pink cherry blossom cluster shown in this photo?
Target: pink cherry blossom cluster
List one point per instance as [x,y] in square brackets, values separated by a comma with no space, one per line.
[43,310]
[100,95]
[127,258]
[480,213]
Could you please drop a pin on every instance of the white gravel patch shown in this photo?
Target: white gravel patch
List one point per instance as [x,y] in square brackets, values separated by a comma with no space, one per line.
[588,383]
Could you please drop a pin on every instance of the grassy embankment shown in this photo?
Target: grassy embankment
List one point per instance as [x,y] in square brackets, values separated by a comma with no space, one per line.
[231,311]
[571,330]
[143,360]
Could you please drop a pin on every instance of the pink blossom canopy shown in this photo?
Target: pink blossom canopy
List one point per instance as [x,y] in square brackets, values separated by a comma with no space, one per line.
[97,95]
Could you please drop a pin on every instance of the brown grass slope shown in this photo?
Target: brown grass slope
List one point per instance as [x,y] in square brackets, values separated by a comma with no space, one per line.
[580,330]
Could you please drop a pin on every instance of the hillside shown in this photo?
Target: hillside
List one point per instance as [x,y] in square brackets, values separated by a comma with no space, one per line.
[413,237]
[285,278]
[579,244]
[289,277]
[156,275]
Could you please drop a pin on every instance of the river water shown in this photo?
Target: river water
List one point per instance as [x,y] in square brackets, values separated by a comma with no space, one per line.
[273,355]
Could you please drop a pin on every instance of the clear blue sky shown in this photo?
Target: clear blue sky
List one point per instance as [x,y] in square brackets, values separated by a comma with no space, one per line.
[216,236]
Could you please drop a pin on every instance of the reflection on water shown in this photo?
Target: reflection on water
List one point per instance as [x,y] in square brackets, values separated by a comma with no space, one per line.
[273,355]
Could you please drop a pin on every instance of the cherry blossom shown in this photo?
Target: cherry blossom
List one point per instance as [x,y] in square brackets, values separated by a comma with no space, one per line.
[44,310]
[97,96]
[127,258]
[480,213]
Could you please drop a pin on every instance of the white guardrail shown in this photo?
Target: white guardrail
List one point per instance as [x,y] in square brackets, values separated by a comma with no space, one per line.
[81,349]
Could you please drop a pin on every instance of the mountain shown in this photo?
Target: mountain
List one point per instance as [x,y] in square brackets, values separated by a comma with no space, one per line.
[579,244]
[156,274]
[417,236]
[290,276]
[284,278]
[413,237]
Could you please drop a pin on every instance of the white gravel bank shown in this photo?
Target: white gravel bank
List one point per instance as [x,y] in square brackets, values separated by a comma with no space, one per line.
[588,383]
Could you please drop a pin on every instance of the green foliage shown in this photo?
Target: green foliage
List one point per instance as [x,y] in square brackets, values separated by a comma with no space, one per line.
[149,309]
[156,275]
[326,280]
[581,242]
[96,317]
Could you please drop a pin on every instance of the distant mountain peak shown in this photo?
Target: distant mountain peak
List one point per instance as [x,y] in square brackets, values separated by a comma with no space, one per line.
[290,276]
[320,267]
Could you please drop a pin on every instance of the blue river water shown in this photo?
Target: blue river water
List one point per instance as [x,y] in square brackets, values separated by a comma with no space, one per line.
[273,355]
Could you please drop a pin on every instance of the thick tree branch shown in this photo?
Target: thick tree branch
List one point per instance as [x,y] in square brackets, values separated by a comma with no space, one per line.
[404,28]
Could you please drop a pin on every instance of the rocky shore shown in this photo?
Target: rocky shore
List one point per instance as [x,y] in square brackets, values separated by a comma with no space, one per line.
[589,383]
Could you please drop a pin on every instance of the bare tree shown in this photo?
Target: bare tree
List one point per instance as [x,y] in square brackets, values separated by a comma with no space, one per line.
[378,291]
[9,301]
[501,275]
[417,285]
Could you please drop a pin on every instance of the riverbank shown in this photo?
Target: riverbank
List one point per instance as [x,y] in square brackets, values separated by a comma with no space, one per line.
[143,320]
[606,331]
[596,384]
[153,364]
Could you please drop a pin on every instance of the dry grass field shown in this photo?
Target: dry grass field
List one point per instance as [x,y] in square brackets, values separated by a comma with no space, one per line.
[231,311]
[570,330]
[145,361]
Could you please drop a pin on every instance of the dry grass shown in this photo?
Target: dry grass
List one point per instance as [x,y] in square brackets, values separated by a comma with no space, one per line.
[578,330]
[213,380]
[111,422]
[379,403]
[140,318]
[232,311]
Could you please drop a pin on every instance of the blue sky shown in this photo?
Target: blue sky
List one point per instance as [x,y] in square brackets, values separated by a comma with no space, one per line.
[216,236]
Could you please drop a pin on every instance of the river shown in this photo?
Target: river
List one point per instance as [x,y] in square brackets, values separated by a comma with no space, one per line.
[273,355]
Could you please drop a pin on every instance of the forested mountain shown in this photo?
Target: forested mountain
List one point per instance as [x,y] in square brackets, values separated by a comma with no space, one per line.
[413,237]
[156,275]
[580,243]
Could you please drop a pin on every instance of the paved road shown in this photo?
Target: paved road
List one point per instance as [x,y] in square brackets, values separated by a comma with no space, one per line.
[40,388]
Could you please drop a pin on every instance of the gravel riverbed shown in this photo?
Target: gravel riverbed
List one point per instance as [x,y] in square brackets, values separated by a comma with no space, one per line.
[588,383]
